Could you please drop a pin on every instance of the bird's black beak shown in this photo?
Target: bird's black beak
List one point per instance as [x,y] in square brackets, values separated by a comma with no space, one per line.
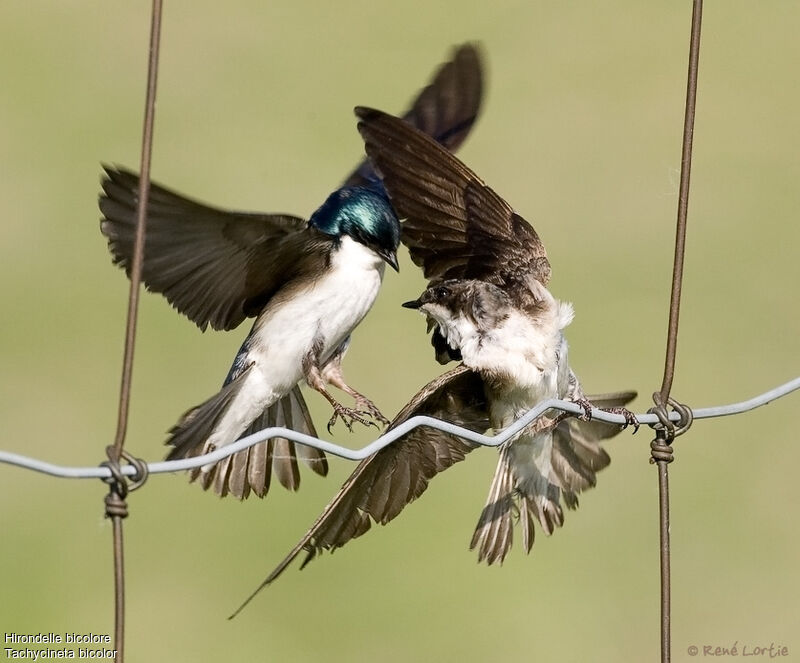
[391,258]
[414,303]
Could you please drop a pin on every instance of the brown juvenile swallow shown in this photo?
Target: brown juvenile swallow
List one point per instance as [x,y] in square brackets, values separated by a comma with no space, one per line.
[488,301]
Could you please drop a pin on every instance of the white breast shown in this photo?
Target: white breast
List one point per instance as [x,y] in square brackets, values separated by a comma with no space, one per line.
[528,357]
[330,308]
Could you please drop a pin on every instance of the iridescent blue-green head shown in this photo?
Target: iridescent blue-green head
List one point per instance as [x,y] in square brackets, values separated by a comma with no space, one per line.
[366,215]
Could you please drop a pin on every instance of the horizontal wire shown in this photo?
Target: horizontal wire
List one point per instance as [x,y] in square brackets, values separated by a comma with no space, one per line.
[66,472]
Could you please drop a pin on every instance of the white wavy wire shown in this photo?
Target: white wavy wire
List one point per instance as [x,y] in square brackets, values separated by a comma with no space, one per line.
[67,472]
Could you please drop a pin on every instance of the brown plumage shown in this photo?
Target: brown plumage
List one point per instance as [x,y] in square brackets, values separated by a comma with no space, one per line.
[386,482]
[383,484]
[487,299]
[219,267]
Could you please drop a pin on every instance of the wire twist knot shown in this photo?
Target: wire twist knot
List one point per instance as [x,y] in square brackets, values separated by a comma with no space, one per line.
[666,429]
[119,484]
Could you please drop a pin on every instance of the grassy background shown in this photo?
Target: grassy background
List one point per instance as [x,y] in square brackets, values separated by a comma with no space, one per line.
[581,133]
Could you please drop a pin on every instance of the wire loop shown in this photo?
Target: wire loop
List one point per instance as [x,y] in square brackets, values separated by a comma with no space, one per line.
[119,484]
[671,428]
[667,429]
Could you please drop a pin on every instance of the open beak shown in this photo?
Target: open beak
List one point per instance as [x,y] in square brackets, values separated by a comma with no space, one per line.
[415,303]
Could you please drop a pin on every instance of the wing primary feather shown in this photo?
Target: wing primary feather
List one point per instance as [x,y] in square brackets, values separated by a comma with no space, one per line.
[209,263]
[383,484]
[445,109]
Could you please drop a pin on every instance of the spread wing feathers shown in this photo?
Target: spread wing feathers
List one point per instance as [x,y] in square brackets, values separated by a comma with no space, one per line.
[445,109]
[577,454]
[214,266]
[250,469]
[535,470]
[456,226]
[383,484]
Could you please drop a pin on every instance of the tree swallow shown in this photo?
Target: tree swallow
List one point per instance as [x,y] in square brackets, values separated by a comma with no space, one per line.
[488,301]
[307,283]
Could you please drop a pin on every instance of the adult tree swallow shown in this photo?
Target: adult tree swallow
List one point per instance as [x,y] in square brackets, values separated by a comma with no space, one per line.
[307,283]
[488,300]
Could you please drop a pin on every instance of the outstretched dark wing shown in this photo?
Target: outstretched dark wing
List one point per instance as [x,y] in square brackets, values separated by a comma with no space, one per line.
[216,267]
[456,227]
[219,267]
[383,484]
[445,109]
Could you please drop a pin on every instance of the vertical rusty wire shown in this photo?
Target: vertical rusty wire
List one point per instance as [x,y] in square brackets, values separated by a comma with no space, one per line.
[661,449]
[663,510]
[683,201]
[116,452]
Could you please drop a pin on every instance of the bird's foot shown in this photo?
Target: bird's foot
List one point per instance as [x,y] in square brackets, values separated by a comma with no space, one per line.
[366,406]
[630,417]
[348,415]
[587,409]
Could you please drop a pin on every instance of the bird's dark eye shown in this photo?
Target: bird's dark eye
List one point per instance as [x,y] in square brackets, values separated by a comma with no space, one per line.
[441,292]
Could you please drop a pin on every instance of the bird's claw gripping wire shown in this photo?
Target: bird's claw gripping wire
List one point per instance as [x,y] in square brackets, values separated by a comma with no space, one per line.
[630,417]
[587,409]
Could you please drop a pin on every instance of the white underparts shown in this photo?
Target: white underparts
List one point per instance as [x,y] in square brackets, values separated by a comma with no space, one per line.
[328,309]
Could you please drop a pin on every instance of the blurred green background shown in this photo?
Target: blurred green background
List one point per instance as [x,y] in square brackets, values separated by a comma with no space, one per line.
[581,133]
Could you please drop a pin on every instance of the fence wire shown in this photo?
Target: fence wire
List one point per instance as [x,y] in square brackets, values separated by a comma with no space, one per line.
[115,473]
[661,446]
[116,507]
[102,472]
